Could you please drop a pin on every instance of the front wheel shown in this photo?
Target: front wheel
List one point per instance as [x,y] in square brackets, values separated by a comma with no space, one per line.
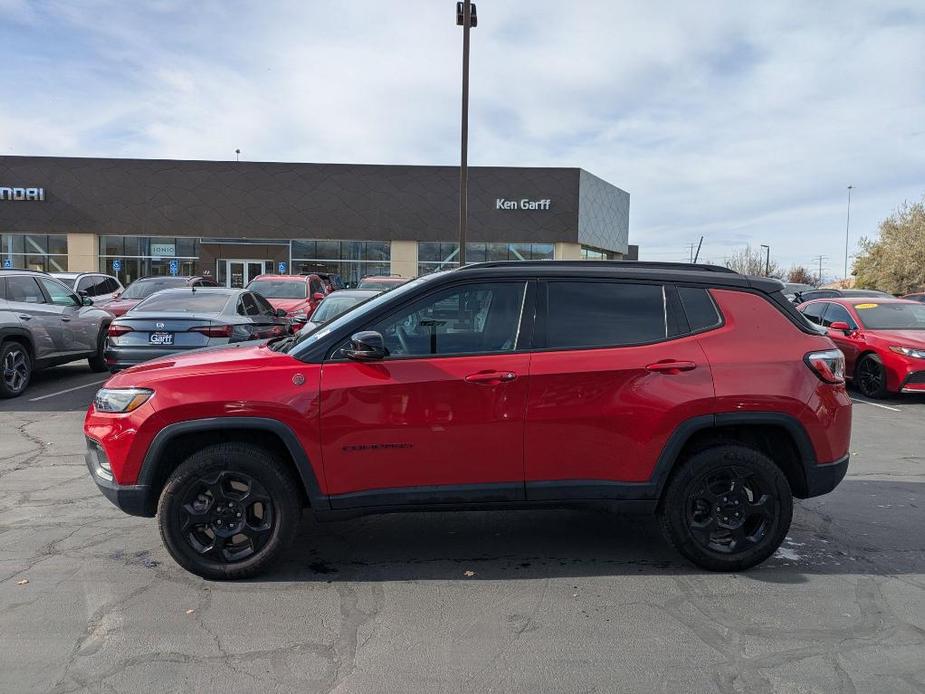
[870,377]
[727,509]
[228,511]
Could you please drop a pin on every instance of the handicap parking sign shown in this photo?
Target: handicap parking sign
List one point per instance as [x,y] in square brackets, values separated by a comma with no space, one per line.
[116,265]
[7,263]
[174,267]
[282,268]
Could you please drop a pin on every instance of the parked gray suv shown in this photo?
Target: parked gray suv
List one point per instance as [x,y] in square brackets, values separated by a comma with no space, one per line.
[44,323]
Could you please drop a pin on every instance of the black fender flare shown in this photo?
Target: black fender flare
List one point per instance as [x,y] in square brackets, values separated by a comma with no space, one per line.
[684,431]
[149,467]
[18,332]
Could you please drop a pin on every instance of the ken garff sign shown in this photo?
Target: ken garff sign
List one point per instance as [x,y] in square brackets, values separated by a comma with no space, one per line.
[522,204]
[16,193]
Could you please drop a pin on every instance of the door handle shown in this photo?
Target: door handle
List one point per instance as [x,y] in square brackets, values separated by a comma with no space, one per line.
[25,316]
[65,319]
[491,377]
[670,366]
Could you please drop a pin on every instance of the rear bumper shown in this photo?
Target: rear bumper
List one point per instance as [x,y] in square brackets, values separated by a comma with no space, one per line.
[134,500]
[821,479]
[118,358]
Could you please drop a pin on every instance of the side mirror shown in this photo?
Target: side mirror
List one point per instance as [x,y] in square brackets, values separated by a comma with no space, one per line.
[842,326]
[367,345]
[86,300]
[280,313]
[317,296]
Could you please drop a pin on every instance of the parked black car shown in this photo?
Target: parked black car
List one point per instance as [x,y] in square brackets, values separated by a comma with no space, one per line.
[335,304]
[803,297]
[177,320]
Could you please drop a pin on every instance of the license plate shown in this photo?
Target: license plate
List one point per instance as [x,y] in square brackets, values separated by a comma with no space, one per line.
[161,338]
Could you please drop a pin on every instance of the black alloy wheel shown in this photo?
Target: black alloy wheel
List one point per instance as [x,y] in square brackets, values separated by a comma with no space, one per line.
[870,377]
[727,508]
[15,369]
[228,511]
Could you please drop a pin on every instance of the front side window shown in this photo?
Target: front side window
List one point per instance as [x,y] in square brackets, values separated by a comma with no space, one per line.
[472,319]
[838,314]
[604,314]
[60,295]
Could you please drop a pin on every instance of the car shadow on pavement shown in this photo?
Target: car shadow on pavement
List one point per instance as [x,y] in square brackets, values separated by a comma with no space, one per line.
[863,527]
[66,388]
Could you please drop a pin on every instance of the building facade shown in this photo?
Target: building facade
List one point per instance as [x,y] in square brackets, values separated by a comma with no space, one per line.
[233,220]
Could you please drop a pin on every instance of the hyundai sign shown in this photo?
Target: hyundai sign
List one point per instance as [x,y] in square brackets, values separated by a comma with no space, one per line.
[16,193]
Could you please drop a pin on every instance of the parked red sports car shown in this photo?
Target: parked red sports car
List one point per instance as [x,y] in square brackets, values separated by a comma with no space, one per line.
[883,341]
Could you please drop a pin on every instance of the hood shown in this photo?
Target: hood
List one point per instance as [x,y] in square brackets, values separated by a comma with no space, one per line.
[289,305]
[243,356]
[906,338]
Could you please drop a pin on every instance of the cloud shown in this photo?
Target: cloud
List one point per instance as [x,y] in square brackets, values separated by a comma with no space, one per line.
[741,121]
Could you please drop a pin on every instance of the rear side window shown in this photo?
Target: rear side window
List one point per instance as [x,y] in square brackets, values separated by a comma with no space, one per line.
[24,289]
[699,308]
[604,314]
[814,312]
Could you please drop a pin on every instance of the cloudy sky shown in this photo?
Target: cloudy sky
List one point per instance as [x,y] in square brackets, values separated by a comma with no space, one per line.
[741,121]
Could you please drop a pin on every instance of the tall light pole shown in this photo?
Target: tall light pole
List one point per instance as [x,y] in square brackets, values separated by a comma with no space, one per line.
[466,18]
[847,226]
[767,260]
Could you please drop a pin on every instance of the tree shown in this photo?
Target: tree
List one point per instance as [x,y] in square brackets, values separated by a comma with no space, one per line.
[800,275]
[895,262]
[750,261]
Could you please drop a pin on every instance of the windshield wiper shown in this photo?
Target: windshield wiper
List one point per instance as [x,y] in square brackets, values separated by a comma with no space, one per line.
[282,344]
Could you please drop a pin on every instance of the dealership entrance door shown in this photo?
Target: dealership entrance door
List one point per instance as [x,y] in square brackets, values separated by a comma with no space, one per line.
[237,273]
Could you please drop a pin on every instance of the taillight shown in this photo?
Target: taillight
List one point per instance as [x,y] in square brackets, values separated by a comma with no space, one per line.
[213,330]
[116,330]
[828,365]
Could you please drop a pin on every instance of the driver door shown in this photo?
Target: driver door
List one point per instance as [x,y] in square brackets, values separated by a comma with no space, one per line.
[71,333]
[441,418]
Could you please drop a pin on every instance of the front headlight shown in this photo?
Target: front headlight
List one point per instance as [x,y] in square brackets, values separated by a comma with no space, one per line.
[121,399]
[908,351]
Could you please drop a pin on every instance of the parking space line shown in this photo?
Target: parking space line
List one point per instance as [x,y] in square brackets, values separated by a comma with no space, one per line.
[877,404]
[67,390]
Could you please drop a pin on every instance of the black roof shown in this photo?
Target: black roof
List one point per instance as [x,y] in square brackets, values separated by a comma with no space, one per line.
[692,273]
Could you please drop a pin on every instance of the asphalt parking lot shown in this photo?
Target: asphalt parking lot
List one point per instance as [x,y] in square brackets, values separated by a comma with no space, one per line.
[522,601]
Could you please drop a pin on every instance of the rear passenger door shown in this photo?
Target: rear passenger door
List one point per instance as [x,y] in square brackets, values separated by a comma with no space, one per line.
[28,303]
[616,368]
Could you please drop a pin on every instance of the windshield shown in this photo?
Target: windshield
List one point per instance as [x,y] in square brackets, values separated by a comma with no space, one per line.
[335,305]
[892,316]
[184,302]
[279,289]
[305,340]
[142,289]
[380,284]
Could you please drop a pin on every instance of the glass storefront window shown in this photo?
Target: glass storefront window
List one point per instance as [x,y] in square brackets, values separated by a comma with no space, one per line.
[352,260]
[34,252]
[133,254]
[433,256]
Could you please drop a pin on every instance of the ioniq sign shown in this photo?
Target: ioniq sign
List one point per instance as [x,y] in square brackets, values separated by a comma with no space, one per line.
[15,193]
[522,204]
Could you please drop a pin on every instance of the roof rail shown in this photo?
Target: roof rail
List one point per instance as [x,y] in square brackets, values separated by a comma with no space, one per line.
[19,269]
[652,265]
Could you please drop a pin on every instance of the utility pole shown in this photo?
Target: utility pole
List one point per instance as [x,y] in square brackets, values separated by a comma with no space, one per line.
[237,155]
[767,262]
[847,226]
[697,254]
[690,249]
[819,259]
[465,17]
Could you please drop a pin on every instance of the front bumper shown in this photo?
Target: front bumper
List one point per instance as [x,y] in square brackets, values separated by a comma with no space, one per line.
[913,383]
[821,479]
[134,500]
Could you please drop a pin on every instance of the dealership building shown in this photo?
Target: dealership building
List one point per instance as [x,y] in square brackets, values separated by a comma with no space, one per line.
[234,220]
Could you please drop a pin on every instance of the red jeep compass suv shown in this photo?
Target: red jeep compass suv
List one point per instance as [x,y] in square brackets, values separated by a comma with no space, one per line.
[693,392]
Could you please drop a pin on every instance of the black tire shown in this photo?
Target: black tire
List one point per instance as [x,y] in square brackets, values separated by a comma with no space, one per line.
[98,361]
[15,369]
[697,513]
[870,377]
[206,487]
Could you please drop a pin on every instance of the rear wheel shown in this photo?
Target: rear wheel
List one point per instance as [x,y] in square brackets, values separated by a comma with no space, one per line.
[870,377]
[15,369]
[98,361]
[727,509]
[228,511]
